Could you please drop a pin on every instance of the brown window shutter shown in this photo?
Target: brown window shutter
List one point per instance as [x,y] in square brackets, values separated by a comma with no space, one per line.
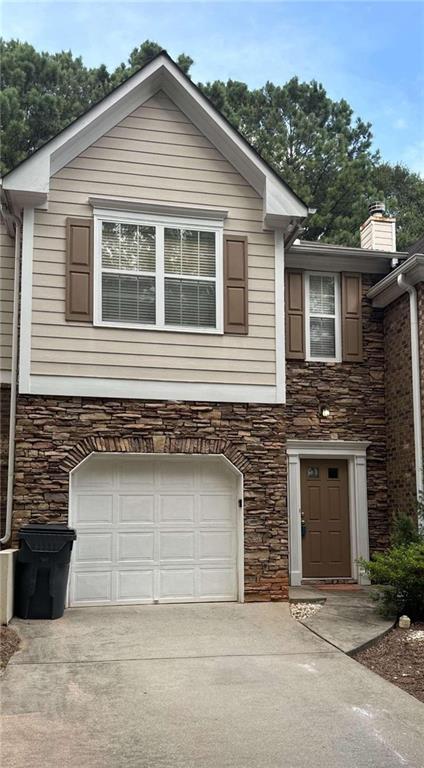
[295,316]
[235,285]
[352,317]
[79,270]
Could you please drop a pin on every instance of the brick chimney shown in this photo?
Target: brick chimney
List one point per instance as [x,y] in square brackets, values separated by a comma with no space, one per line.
[379,231]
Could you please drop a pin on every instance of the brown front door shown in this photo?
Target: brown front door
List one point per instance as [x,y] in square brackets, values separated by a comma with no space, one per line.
[325,516]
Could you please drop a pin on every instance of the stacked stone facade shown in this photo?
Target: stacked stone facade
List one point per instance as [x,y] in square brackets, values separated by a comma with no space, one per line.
[399,408]
[54,434]
[355,395]
[4,449]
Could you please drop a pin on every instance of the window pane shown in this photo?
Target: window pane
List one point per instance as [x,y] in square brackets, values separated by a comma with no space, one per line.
[128,246]
[321,294]
[322,334]
[190,303]
[189,252]
[128,299]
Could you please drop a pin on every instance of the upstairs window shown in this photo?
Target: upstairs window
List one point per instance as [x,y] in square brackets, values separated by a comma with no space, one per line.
[158,274]
[322,321]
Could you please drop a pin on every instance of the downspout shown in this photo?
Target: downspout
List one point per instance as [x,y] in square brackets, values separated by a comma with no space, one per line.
[416,388]
[14,376]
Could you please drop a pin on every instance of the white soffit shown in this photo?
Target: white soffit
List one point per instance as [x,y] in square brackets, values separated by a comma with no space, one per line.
[28,184]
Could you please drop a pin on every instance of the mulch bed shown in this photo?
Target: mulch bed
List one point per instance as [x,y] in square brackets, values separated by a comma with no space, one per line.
[9,644]
[399,658]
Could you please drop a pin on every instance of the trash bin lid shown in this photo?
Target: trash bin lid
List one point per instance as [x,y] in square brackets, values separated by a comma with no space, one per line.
[47,529]
[46,537]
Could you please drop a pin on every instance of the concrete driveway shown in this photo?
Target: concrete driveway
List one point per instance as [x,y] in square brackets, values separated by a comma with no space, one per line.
[205,686]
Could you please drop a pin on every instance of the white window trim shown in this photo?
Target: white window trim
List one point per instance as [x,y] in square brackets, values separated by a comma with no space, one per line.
[203,225]
[355,453]
[338,319]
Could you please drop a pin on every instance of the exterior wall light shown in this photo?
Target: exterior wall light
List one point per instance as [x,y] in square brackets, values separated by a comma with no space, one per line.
[325,411]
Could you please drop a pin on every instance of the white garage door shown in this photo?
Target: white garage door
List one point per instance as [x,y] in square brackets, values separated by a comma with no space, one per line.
[153,529]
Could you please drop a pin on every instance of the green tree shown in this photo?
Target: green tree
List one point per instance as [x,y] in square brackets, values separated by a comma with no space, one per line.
[41,93]
[403,192]
[312,141]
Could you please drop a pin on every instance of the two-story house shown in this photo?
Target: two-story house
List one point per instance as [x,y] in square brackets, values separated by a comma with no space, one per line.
[199,394]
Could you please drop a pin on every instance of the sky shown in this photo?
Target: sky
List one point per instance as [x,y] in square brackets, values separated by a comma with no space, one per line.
[370,52]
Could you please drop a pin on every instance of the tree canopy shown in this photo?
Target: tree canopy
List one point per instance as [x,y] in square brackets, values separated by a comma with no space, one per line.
[315,143]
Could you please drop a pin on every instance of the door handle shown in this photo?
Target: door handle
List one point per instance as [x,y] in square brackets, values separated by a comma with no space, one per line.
[303,526]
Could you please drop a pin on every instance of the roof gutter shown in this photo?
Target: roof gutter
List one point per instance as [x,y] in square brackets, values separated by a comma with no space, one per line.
[11,220]
[405,285]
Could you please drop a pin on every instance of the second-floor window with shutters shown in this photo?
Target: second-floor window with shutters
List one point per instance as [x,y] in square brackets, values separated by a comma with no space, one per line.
[158,273]
[322,321]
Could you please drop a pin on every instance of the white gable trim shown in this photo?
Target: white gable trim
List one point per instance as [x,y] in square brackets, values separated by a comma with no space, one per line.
[28,184]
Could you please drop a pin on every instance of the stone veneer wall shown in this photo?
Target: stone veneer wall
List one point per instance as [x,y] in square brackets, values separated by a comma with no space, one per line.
[53,434]
[4,449]
[399,409]
[354,392]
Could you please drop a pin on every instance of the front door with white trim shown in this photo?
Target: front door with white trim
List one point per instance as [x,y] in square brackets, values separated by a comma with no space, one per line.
[154,529]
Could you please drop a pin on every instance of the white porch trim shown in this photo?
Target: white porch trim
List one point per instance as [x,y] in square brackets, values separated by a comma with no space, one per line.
[355,454]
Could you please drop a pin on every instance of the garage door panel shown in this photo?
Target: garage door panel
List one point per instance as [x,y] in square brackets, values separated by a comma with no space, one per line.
[216,545]
[215,474]
[176,508]
[218,583]
[176,475]
[136,508]
[133,545]
[94,547]
[176,545]
[177,584]
[94,473]
[130,472]
[135,585]
[92,587]
[94,509]
[217,508]
[154,529]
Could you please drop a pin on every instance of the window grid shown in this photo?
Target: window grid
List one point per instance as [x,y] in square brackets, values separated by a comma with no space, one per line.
[335,317]
[161,277]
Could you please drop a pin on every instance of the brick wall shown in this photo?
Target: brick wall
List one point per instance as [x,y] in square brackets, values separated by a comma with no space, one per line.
[4,450]
[54,434]
[354,392]
[399,413]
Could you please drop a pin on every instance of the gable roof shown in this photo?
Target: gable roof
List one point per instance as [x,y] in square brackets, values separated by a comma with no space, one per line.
[28,183]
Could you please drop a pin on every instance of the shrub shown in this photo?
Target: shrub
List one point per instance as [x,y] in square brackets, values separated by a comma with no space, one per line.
[404,531]
[399,574]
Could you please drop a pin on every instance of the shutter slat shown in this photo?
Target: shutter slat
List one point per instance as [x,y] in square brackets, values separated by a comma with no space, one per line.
[295,316]
[236,318]
[79,270]
[352,317]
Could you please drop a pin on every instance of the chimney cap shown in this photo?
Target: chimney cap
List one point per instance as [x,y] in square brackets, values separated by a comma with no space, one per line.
[378,208]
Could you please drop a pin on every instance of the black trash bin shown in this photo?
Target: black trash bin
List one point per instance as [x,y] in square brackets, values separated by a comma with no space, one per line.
[42,569]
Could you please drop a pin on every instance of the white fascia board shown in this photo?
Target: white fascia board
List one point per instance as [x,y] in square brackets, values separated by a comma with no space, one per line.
[314,248]
[33,175]
[78,386]
[326,447]
[388,289]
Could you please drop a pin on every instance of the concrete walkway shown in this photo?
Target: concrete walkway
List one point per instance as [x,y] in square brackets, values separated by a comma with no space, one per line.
[348,619]
[198,686]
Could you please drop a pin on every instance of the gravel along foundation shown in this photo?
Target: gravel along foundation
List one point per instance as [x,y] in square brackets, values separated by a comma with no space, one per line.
[304,610]
[9,644]
[399,658]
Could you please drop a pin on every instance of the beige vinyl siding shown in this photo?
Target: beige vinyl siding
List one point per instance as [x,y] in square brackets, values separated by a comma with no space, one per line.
[7,271]
[158,155]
